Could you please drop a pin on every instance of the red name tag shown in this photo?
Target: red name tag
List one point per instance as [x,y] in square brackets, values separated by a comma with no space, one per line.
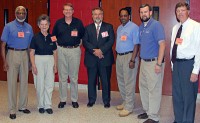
[179,41]
[123,38]
[74,33]
[21,34]
[53,38]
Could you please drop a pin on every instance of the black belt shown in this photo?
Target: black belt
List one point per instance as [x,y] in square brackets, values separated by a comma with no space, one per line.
[124,53]
[70,47]
[149,60]
[180,60]
[153,59]
[10,48]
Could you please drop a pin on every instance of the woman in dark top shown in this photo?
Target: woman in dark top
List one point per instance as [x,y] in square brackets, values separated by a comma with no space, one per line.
[43,55]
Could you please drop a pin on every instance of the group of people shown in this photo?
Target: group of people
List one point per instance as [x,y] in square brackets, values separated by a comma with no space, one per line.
[60,51]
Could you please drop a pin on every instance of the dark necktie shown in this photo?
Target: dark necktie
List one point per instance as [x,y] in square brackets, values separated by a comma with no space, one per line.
[174,49]
[98,27]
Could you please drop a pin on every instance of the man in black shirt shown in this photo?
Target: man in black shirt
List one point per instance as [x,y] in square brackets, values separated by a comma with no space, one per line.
[68,31]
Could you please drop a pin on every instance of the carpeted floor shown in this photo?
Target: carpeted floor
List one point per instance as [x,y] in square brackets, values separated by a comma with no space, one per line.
[96,114]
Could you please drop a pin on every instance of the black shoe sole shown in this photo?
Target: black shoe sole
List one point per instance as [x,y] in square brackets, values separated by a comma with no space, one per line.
[12,116]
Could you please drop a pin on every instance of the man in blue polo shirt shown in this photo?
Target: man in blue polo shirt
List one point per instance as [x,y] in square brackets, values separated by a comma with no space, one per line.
[17,35]
[127,61]
[152,41]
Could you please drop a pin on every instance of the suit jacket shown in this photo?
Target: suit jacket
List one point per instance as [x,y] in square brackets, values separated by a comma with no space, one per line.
[104,42]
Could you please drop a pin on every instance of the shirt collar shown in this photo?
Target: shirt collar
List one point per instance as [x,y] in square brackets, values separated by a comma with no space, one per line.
[18,24]
[126,24]
[63,20]
[149,22]
[185,23]
[40,33]
[97,25]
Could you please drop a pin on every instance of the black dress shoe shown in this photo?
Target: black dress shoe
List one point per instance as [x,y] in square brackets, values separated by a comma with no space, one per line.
[150,121]
[41,110]
[143,116]
[61,104]
[49,111]
[26,111]
[90,104]
[75,105]
[107,105]
[12,116]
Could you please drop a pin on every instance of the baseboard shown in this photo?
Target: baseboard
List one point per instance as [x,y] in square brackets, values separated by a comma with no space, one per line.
[198,96]
[80,86]
[84,87]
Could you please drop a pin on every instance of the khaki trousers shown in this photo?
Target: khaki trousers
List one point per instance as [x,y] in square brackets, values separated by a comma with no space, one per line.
[68,65]
[150,85]
[18,65]
[126,79]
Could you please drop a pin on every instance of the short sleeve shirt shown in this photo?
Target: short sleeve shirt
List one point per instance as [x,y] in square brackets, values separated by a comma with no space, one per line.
[68,34]
[149,38]
[11,35]
[43,45]
[127,37]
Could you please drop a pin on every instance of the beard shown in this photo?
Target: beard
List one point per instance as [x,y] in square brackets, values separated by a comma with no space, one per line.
[97,20]
[20,20]
[145,19]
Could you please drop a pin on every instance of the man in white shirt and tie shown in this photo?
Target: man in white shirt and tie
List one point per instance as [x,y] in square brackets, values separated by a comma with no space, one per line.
[185,61]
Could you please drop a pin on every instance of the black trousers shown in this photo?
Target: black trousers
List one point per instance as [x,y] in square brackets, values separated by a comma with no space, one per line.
[184,92]
[104,72]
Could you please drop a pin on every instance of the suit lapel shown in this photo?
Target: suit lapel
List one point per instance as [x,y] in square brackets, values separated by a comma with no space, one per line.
[94,32]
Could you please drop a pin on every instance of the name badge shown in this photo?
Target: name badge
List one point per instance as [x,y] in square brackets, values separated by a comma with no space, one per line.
[21,34]
[74,33]
[123,38]
[104,34]
[179,41]
[53,38]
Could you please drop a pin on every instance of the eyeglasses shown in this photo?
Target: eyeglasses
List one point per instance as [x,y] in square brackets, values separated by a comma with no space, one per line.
[68,10]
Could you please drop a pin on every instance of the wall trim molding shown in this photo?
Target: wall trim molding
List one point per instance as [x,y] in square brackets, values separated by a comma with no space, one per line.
[84,87]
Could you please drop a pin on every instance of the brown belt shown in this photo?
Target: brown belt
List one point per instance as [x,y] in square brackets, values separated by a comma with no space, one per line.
[10,48]
[70,47]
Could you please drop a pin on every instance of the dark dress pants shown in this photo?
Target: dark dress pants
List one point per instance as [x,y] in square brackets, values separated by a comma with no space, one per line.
[184,92]
[104,72]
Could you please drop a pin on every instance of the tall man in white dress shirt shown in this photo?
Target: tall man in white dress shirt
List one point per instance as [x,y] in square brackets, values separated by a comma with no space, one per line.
[185,59]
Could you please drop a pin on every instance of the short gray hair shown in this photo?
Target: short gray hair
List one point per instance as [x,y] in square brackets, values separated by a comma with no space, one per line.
[43,17]
[97,8]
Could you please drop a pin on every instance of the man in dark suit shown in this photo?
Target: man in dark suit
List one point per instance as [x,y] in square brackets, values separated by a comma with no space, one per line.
[98,41]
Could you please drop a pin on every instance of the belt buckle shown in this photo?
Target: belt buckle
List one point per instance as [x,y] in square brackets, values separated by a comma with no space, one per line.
[153,59]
